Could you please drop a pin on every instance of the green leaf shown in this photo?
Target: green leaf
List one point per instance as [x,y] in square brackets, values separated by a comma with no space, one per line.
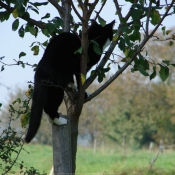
[15,25]
[167,62]
[171,43]
[127,40]
[15,13]
[164,72]
[136,14]
[142,2]
[163,30]
[83,78]
[155,17]
[153,75]
[144,63]
[96,47]
[122,44]
[4,16]
[21,11]
[2,57]
[46,16]
[79,51]
[21,31]
[58,22]
[35,10]
[35,50]
[101,21]
[26,16]
[25,119]
[115,37]
[17,100]
[168,31]
[50,27]
[22,54]
[135,36]
[40,3]
[21,63]
[32,30]
[101,76]
[19,3]
[142,71]
[2,68]
[45,43]
[45,32]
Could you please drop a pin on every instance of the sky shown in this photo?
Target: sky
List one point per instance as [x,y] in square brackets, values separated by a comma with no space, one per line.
[11,45]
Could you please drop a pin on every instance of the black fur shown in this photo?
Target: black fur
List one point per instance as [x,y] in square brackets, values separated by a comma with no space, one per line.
[56,69]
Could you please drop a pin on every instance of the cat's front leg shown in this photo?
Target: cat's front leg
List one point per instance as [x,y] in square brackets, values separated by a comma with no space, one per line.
[74,88]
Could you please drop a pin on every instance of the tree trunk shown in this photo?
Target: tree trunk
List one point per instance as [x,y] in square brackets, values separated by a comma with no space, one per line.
[65,147]
[61,140]
[65,138]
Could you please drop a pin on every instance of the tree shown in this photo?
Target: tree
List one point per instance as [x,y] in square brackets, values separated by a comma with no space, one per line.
[139,17]
[140,114]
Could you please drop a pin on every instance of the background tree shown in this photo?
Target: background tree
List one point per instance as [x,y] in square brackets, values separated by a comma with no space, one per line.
[139,17]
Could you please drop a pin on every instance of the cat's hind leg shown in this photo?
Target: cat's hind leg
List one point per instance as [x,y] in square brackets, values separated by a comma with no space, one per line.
[54,100]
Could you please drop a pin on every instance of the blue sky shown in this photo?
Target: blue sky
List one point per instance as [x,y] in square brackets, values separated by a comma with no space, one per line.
[11,45]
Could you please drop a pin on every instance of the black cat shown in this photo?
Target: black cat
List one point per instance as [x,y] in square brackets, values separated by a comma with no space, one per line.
[56,69]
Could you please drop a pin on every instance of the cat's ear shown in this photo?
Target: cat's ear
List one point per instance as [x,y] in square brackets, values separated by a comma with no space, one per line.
[111,24]
[94,23]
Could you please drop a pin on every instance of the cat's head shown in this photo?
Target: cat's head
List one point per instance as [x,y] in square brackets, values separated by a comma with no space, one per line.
[101,34]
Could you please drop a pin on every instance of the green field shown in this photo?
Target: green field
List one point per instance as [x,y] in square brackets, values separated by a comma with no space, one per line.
[108,161]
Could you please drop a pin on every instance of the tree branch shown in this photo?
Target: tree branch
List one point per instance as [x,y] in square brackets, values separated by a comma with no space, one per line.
[80,3]
[100,10]
[58,7]
[76,12]
[102,63]
[118,10]
[92,7]
[140,47]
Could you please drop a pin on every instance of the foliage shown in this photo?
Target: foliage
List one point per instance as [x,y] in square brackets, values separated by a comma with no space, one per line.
[11,147]
[11,140]
[132,111]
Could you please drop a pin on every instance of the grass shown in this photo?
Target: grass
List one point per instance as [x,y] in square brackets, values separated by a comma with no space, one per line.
[131,163]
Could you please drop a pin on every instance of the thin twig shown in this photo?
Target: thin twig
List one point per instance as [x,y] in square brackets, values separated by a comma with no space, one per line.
[92,7]
[80,3]
[76,12]
[58,7]
[118,10]
[100,10]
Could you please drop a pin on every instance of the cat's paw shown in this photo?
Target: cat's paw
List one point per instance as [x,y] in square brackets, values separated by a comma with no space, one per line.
[73,87]
[60,121]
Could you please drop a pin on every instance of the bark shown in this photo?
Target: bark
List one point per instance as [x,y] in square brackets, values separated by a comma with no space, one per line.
[61,149]
[65,137]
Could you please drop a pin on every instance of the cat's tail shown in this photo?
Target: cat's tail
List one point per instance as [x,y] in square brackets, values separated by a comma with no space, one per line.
[38,101]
